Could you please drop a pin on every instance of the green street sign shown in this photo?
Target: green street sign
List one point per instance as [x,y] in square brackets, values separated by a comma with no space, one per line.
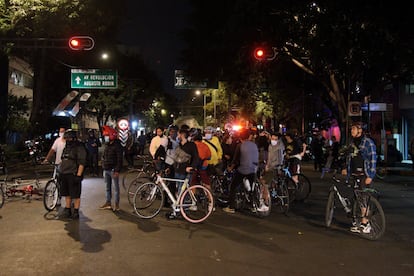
[94,79]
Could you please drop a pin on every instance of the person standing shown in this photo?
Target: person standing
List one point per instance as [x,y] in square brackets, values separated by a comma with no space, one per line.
[92,145]
[317,150]
[111,164]
[57,148]
[158,148]
[362,160]
[142,141]
[204,154]
[130,150]
[71,174]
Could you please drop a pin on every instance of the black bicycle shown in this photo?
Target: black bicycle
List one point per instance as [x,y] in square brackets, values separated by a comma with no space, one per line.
[360,203]
[278,189]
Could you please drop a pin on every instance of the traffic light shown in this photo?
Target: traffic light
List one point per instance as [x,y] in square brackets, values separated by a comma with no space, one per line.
[81,43]
[264,53]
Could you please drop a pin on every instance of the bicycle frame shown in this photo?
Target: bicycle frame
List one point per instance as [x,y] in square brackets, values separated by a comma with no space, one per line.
[175,201]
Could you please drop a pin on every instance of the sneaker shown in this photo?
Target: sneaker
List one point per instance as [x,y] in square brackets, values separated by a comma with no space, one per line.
[229,210]
[117,207]
[106,206]
[171,215]
[75,215]
[66,214]
[263,208]
[355,228]
[365,228]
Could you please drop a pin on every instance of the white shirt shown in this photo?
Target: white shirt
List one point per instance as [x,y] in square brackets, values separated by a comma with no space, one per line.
[156,142]
[58,146]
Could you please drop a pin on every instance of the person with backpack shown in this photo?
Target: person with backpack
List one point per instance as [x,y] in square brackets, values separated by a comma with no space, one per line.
[71,174]
[204,154]
[213,143]
[158,148]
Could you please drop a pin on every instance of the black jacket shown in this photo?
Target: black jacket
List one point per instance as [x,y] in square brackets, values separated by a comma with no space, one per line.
[112,156]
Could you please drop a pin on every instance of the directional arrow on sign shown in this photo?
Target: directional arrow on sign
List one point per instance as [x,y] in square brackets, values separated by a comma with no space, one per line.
[78,79]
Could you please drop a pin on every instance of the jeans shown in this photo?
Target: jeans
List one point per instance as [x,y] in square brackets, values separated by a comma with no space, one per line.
[109,180]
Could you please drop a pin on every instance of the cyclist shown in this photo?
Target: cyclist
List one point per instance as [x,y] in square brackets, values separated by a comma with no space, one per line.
[362,160]
[246,161]
[213,142]
[204,154]
[275,156]
[294,154]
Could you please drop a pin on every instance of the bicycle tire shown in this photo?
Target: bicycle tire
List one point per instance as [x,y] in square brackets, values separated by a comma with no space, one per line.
[133,186]
[148,200]
[291,186]
[127,175]
[330,208]
[219,193]
[2,198]
[375,216]
[50,195]
[282,198]
[196,204]
[303,188]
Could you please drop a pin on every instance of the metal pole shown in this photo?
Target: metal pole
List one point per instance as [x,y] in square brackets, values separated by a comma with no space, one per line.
[204,110]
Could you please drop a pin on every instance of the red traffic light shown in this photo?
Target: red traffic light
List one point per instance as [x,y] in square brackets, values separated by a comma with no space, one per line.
[84,43]
[264,53]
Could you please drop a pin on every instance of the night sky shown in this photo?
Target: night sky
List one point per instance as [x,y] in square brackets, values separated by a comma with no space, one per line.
[153,26]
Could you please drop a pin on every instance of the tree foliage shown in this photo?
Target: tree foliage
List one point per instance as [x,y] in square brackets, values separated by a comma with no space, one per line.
[350,48]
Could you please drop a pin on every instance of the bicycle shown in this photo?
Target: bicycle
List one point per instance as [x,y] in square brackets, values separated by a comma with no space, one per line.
[361,198]
[51,194]
[297,191]
[18,187]
[220,187]
[195,203]
[278,188]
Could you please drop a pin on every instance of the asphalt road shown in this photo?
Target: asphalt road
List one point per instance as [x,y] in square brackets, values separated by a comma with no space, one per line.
[103,242]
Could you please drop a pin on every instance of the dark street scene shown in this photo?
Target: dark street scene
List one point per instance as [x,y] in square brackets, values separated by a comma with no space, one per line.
[206,138]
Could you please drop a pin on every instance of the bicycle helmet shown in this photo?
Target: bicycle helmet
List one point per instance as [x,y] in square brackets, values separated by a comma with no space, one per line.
[195,134]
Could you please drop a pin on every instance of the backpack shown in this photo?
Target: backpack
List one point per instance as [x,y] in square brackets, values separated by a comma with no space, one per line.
[160,153]
[180,156]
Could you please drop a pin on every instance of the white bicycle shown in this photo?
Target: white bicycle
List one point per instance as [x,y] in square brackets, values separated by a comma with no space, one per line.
[194,202]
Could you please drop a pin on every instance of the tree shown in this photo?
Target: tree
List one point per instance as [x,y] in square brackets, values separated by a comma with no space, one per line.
[344,46]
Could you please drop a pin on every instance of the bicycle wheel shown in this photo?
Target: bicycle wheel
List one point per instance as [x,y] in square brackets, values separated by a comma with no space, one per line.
[282,198]
[196,203]
[303,188]
[128,177]
[376,218]
[133,186]
[330,207]
[148,200]
[220,192]
[292,188]
[50,195]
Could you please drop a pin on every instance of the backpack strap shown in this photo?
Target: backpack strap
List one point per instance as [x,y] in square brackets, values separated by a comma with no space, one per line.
[215,148]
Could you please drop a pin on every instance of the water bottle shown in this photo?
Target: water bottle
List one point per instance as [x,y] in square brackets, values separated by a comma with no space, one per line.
[246,183]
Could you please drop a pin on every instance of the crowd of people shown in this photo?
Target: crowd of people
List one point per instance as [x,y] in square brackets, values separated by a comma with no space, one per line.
[182,151]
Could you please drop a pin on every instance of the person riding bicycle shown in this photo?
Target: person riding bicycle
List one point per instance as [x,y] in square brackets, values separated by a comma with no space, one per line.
[275,157]
[246,162]
[362,160]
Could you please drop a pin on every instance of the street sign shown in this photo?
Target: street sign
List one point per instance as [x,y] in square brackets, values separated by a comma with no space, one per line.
[94,79]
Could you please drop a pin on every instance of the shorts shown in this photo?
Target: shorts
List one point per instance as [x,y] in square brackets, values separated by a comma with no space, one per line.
[70,186]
